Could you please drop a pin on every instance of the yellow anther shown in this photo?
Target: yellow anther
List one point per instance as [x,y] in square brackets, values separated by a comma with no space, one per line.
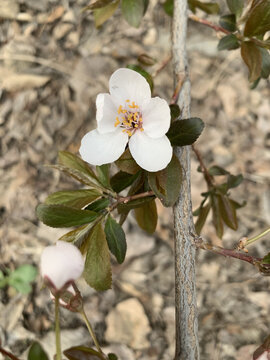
[129,132]
[117,122]
[141,129]
[127,100]
[136,125]
[140,119]
[119,109]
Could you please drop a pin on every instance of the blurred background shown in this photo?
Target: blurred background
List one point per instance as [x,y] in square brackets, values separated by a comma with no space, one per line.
[53,63]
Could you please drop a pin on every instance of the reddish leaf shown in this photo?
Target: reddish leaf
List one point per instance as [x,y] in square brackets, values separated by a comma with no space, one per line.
[252,58]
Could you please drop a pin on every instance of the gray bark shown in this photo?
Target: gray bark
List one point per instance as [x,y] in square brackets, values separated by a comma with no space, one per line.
[187,346]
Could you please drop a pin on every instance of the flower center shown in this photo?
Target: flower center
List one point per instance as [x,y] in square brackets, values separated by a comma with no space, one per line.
[130,118]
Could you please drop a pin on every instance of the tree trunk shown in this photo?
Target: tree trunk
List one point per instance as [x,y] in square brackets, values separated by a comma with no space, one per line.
[187,345]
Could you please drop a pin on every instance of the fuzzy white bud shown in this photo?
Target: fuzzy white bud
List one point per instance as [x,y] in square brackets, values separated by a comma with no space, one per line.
[61,263]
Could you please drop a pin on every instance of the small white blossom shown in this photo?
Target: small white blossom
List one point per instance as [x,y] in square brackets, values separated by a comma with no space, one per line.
[128,115]
[61,263]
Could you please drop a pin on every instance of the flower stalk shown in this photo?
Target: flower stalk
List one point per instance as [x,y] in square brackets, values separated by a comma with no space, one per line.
[91,331]
[57,328]
[257,237]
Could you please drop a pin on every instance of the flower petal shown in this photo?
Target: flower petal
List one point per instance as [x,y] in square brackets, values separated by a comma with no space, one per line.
[106,113]
[149,153]
[126,84]
[61,263]
[99,149]
[156,117]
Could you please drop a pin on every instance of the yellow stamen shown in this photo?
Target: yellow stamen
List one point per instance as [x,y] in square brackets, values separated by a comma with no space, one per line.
[119,109]
[127,100]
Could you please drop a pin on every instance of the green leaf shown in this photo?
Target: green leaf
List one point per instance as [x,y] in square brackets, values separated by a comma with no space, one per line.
[133,204]
[234,180]
[228,22]
[26,273]
[116,239]
[217,171]
[227,212]
[122,180]
[82,353]
[127,164]
[103,174]
[146,216]
[98,205]
[228,42]
[112,356]
[258,21]
[203,213]
[72,161]
[265,63]
[236,6]
[103,14]
[98,4]
[208,7]
[266,259]
[144,73]
[146,60]
[216,216]
[36,352]
[97,270]
[253,59]
[185,132]
[168,7]
[237,205]
[73,198]
[64,216]
[21,286]
[78,236]
[175,111]
[133,11]
[166,183]
[255,83]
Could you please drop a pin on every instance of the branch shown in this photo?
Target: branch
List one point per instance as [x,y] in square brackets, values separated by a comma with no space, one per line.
[263,268]
[187,344]
[213,26]
[8,354]
[126,199]
[202,244]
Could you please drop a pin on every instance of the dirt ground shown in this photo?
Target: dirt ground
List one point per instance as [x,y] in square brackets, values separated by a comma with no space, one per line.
[53,63]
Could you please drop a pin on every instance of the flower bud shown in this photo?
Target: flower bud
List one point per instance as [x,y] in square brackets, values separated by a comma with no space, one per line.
[61,264]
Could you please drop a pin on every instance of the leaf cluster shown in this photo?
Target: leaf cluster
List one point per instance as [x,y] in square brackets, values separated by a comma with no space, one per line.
[218,200]
[96,231]
[247,29]
[20,278]
[132,10]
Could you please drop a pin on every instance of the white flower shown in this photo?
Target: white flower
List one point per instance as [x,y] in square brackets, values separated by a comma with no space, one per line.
[61,263]
[129,115]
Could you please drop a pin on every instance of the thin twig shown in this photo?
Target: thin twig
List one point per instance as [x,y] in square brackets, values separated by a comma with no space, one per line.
[179,84]
[208,23]
[163,64]
[202,244]
[208,178]
[7,353]
[126,199]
